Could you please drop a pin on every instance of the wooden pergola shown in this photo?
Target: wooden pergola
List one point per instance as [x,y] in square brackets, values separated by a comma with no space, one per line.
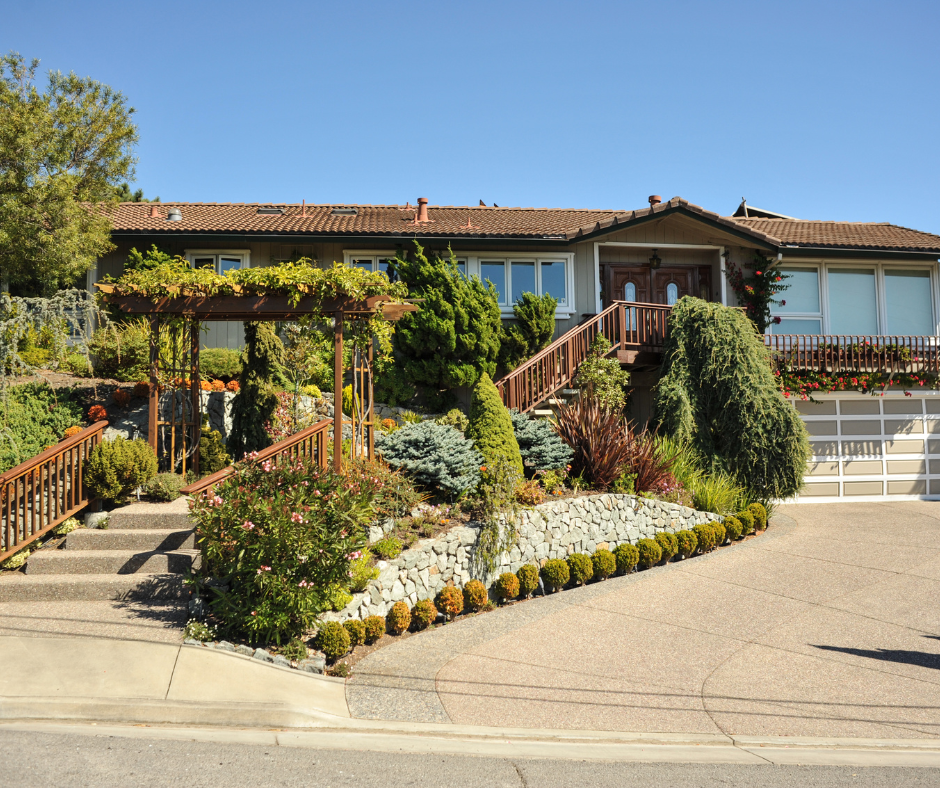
[196,309]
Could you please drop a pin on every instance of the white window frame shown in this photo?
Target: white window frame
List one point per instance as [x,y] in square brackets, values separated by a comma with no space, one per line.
[473,260]
[244,254]
[880,268]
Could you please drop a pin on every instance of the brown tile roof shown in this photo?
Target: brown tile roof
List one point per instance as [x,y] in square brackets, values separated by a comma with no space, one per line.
[491,222]
[381,220]
[844,235]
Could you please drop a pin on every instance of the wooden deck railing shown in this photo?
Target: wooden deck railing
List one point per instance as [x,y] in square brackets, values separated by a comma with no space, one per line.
[309,443]
[837,353]
[628,326]
[42,492]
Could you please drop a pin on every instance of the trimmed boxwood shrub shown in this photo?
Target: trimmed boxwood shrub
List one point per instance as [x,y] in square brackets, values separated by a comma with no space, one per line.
[555,574]
[356,630]
[165,486]
[580,568]
[375,628]
[475,596]
[733,528]
[398,619]
[688,543]
[627,557]
[669,544]
[604,564]
[506,586]
[760,516]
[449,602]
[720,533]
[528,576]
[423,614]
[706,537]
[747,522]
[333,640]
[650,553]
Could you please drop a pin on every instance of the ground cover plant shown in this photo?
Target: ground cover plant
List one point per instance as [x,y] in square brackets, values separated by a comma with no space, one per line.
[278,540]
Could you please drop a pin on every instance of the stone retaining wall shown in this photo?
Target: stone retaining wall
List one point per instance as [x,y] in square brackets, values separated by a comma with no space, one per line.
[552,530]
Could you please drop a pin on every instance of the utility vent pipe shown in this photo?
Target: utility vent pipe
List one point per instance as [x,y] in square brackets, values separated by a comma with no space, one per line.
[154,212]
[422,209]
[174,215]
[655,199]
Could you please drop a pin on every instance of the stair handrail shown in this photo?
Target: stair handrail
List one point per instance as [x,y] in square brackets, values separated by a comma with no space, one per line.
[54,479]
[308,442]
[611,322]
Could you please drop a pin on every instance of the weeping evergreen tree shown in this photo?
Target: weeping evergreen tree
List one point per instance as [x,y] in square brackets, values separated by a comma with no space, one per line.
[718,395]
[256,400]
[454,337]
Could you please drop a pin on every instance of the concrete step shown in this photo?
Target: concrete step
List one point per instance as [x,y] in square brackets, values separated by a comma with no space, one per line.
[174,515]
[118,562]
[17,587]
[136,539]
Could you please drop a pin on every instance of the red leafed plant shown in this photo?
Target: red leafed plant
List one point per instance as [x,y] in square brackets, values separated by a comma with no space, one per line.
[122,398]
[141,389]
[652,466]
[97,413]
[600,438]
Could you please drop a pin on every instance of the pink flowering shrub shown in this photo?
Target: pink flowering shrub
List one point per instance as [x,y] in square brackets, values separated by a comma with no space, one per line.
[279,539]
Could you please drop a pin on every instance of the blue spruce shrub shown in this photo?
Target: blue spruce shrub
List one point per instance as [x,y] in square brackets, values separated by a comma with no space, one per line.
[539,444]
[436,456]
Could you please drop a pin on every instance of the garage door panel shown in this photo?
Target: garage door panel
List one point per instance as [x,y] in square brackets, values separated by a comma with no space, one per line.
[873,446]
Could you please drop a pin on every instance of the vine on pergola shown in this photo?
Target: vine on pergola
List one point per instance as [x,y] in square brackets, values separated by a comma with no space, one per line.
[361,306]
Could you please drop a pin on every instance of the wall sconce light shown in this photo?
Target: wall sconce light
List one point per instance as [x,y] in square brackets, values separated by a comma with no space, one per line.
[655,260]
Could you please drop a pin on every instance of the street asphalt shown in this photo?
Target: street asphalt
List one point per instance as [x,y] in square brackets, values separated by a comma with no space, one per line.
[103,760]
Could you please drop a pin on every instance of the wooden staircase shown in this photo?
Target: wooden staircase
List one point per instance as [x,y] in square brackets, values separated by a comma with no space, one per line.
[636,333]
[144,552]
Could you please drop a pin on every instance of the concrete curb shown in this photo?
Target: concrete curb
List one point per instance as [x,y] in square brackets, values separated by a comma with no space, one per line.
[522,743]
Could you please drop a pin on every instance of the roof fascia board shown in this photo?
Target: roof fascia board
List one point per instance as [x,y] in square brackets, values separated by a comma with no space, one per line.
[736,232]
[792,253]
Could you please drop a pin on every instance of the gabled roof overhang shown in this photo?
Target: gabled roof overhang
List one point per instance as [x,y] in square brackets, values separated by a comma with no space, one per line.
[680,208]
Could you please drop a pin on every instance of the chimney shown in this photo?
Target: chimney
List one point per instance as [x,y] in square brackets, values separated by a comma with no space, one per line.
[655,200]
[154,212]
[422,215]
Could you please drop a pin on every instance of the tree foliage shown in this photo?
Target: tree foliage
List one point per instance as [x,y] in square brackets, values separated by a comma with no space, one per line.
[718,395]
[539,444]
[60,149]
[532,331]
[256,401]
[601,378]
[454,337]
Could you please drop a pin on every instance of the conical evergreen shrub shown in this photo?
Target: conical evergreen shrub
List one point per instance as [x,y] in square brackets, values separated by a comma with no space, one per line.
[718,395]
[491,426]
[256,400]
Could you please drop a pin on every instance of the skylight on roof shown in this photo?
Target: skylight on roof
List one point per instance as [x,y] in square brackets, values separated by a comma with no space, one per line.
[271,211]
[338,211]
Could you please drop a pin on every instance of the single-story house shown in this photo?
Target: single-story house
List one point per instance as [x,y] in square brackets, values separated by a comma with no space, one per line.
[858,281]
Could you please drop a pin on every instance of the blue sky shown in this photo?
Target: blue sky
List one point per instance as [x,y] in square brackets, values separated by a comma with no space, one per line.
[825,110]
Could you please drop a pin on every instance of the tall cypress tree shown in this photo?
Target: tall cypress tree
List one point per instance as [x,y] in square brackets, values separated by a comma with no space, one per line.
[454,337]
[256,400]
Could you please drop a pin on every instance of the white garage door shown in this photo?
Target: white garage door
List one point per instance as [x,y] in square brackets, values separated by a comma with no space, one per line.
[868,447]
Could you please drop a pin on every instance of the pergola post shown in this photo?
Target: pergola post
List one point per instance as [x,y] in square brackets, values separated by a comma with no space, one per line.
[338,392]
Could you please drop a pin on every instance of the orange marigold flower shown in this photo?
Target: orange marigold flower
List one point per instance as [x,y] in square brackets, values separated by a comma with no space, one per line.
[217,385]
[232,385]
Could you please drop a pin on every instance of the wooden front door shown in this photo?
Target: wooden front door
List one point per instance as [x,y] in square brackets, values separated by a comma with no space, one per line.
[664,285]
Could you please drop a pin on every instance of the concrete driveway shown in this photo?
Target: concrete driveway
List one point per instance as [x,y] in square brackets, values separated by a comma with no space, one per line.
[826,626]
